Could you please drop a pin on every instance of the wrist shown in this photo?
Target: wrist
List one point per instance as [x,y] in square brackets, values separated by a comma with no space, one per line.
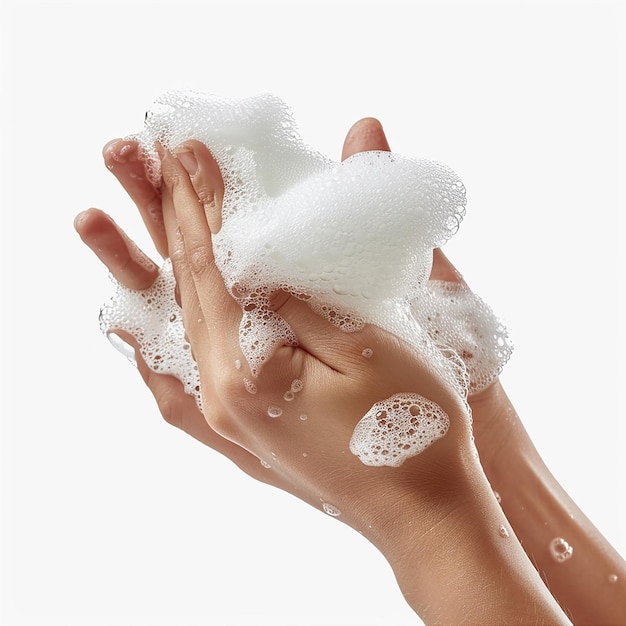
[498,431]
[457,559]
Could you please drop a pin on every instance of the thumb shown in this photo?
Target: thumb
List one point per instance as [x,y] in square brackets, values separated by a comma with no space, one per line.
[366,134]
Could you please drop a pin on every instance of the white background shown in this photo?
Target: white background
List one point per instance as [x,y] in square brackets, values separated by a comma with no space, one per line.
[112,517]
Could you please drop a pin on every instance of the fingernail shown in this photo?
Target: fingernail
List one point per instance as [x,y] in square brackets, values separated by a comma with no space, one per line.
[108,146]
[123,347]
[121,153]
[188,161]
[80,219]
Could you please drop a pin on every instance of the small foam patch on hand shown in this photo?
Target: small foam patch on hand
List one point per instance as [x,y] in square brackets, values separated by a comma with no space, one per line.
[398,428]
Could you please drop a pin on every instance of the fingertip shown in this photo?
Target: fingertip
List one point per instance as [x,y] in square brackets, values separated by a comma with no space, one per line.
[365,135]
[80,219]
[109,146]
[85,220]
[187,159]
[120,151]
[443,269]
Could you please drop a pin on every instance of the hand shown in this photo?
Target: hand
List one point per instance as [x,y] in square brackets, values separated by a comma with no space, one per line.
[337,384]
[116,250]
[395,507]
[133,269]
[130,267]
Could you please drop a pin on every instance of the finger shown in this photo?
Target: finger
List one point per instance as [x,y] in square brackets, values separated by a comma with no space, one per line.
[191,248]
[180,410]
[124,159]
[443,269]
[126,262]
[213,334]
[206,178]
[366,134]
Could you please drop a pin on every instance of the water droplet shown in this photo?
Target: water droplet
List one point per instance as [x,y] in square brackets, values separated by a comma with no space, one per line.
[249,385]
[333,511]
[503,532]
[367,353]
[305,454]
[265,464]
[296,385]
[613,578]
[560,549]
[304,417]
[237,364]
[497,495]
[274,411]
[289,396]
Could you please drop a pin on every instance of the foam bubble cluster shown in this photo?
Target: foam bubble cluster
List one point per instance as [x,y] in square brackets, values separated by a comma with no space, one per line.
[398,428]
[354,238]
[154,318]
[455,316]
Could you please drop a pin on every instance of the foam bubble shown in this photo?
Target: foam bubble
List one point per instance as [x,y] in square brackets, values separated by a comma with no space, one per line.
[296,385]
[331,509]
[249,386]
[274,411]
[398,428]
[560,549]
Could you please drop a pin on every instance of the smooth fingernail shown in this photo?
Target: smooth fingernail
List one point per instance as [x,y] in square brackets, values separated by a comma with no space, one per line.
[122,347]
[188,161]
[108,146]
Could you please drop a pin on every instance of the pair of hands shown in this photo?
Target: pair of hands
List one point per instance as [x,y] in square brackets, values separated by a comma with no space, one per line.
[308,457]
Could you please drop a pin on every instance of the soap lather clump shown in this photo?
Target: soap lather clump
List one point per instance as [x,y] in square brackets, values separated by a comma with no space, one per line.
[355,238]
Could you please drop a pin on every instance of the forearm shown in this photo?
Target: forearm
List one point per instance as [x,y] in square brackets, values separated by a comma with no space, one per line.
[581,569]
[465,565]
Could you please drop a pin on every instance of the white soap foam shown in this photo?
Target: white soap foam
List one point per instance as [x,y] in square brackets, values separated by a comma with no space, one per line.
[354,239]
[398,428]
[154,318]
[455,316]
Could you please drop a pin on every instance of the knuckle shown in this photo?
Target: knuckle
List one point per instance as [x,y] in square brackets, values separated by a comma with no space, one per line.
[206,194]
[221,424]
[172,176]
[229,387]
[199,259]
[169,409]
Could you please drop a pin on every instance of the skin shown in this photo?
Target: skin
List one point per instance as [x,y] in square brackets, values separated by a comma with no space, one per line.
[445,492]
